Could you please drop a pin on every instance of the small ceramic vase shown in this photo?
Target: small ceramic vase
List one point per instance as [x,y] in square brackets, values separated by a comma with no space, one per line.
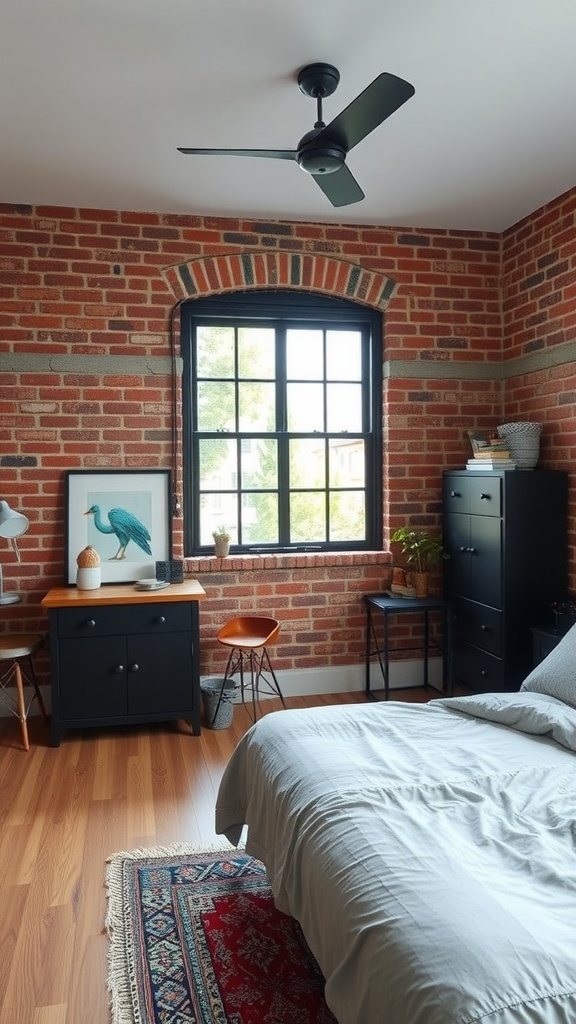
[89,572]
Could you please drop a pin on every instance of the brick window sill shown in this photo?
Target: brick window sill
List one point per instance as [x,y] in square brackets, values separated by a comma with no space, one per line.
[298,560]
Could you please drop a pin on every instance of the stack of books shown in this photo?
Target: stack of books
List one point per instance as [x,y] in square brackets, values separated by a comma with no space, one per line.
[491,457]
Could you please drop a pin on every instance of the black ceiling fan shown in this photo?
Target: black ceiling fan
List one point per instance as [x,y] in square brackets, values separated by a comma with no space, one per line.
[322,151]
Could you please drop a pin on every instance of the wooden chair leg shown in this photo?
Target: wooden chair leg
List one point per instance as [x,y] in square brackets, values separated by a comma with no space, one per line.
[21,705]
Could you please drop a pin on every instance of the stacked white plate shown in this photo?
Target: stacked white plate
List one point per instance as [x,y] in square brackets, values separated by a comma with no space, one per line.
[151,584]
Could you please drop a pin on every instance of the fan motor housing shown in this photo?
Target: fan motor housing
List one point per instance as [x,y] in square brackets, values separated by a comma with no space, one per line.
[321,160]
[324,157]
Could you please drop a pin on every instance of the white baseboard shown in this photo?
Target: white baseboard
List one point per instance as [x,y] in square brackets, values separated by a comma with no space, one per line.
[350,678]
[304,682]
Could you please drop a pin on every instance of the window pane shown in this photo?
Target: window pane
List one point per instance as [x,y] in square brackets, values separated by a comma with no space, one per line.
[347,463]
[305,407]
[256,352]
[216,405]
[347,515]
[215,351]
[218,510]
[344,407]
[259,519]
[259,462]
[343,355]
[257,406]
[304,355]
[218,470]
[307,517]
[307,462]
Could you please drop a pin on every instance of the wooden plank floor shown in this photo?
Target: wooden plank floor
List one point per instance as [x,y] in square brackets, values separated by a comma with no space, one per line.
[63,811]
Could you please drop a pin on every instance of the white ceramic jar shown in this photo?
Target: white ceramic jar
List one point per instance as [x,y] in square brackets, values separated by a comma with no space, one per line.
[89,571]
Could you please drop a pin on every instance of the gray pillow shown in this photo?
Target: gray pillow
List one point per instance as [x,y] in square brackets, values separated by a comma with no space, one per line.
[556,675]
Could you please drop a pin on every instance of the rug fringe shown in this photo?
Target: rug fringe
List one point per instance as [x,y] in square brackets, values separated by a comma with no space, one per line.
[122,1001]
[182,849]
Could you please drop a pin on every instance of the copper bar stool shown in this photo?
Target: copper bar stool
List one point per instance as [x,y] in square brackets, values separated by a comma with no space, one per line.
[13,647]
[248,637]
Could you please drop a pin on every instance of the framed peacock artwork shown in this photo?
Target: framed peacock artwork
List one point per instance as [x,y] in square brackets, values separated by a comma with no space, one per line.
[125,515]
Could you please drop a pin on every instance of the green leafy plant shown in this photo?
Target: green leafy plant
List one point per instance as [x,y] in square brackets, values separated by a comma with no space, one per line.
[221,533]
[419,547]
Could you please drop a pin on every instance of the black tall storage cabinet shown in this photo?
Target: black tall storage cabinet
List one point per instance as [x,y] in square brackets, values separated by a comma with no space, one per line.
[505,532]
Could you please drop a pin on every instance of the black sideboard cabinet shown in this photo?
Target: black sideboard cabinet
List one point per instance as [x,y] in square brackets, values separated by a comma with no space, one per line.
[506,534]
[124,657]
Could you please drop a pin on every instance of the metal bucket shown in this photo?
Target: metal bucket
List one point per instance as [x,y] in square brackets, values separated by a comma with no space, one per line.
[219,712]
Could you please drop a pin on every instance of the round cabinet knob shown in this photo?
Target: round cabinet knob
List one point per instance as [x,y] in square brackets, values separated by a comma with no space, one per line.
[483,628]
[463,550]
[119,669]
[90,623]
[133,668]
[161,619]
[454,494]
[482,495]
[483,673]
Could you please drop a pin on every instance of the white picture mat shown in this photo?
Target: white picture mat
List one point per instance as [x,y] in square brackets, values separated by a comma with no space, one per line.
[145,494]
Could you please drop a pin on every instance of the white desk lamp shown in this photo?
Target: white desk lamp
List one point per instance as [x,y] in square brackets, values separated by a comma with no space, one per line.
[12,525]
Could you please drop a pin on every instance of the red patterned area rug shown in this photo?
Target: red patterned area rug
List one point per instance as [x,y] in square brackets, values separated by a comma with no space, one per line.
[195,938]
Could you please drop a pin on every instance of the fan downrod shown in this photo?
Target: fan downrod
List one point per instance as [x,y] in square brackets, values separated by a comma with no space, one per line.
[318,79]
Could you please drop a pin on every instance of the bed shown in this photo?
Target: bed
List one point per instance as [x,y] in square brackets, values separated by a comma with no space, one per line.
[427,850]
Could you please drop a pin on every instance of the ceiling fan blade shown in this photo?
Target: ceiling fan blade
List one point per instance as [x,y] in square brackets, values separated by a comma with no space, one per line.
[274,154]
[378,101]
[341,187]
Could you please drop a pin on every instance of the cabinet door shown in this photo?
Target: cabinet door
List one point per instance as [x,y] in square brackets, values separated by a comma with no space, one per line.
[92,678]
[457,544]
[474,569]
[486,560]
[160,674]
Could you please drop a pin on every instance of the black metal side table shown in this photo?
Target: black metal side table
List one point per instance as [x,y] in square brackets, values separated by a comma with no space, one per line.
[382,605]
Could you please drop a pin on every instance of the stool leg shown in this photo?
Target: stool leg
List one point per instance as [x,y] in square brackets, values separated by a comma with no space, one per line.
[21,705]
[37,689]
[254,676]
[266,659]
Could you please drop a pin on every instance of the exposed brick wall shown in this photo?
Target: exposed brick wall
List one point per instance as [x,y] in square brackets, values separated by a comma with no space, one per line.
[318,600]
[539,335]
[103,285]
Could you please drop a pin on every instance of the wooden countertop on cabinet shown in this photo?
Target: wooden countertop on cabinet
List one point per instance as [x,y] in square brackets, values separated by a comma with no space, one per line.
[124,593]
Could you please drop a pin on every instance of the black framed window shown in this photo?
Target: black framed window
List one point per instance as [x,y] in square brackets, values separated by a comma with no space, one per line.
[282,410]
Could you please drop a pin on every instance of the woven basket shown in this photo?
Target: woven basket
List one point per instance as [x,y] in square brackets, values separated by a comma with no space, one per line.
[523,440]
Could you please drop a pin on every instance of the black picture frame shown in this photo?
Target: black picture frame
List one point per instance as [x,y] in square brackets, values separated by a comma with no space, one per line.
[144,495]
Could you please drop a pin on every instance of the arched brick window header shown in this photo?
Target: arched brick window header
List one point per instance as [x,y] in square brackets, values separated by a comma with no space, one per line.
[213,275]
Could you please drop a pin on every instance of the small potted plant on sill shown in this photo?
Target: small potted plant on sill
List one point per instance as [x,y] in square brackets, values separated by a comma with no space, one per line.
[221,541]
[422,550]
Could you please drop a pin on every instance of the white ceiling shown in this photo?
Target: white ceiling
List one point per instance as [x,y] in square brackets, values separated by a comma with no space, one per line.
[95,96]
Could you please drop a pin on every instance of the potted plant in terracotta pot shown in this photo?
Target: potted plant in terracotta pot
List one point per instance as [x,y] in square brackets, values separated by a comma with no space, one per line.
[221,537]
[421,549]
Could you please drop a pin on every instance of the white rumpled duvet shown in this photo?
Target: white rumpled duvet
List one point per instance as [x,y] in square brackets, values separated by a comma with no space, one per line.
[428,852]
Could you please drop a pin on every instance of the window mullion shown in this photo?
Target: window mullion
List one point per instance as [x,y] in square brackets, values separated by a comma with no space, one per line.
[283,439]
